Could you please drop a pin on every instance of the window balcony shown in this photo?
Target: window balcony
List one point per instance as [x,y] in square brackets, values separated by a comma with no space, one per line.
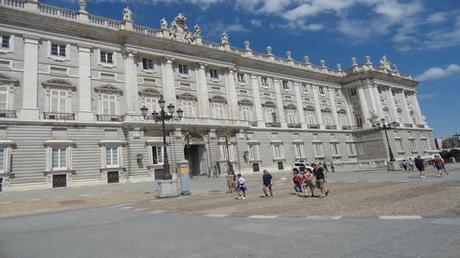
[201,121]
[408,125]
[294,125]
[110,118]
[331,127]
[273,124]
[420,126]
[313,126]
[8,114]
[58,116]
[347,127]
[254,124]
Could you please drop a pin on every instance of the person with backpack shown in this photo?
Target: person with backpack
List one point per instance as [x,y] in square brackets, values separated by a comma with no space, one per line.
[320,175]
[308,182]
[439,165]
[297,179]
[231,178]
[267,182]
[420,165]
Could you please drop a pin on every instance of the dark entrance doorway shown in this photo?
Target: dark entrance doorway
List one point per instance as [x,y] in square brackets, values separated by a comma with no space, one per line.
[196,156]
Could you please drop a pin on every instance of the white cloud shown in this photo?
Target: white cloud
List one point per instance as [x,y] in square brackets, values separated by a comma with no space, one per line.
[256,23]
[439,73]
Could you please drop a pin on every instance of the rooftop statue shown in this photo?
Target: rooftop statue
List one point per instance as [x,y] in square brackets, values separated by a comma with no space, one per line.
[179,29]
[385,64]
[127,14]
[163,24]
[83,5]
[197,31]
[224,39]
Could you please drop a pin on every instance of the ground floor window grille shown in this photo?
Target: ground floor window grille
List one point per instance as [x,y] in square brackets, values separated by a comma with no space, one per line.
[157,155]
[299,151]
[254,152]
[318,149]
[278,151]
[335,149]
[351,149]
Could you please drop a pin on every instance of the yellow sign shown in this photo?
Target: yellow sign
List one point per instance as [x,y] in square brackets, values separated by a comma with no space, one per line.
[183,170]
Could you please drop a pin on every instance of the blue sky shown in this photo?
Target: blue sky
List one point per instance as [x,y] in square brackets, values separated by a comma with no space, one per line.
[421,36]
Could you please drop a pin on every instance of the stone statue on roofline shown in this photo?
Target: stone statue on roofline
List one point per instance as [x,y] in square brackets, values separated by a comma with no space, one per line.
[163,24]
[127,14]
[83,5]
[224,39]
[179,29]
[385,64]
[197,31]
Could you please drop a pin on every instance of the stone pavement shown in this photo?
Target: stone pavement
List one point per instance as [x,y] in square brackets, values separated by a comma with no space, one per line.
[55,199]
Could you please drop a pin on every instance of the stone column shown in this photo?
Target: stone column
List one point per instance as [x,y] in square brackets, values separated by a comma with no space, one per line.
[30,77]
[202,91]
[169,86]
[378,102]
[391,104]
[232,98]
[131,87]
[369,94]
[334,107]
[257,102]
[84,84]
[364,109]
[300,112]
[417,110]
[279,103]
[319,116]
[405,108]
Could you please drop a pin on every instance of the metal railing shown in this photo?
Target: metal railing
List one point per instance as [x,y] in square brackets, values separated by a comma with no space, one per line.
[313,126]
[8,114]
[331,127]
[294,125]
[110,118]
[58,116]
[272,124]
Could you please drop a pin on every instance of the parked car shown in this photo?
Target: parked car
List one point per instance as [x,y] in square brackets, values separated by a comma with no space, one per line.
[301,165]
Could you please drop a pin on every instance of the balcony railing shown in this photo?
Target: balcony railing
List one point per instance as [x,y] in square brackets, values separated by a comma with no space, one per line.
[273,124]
[421,126]
[8,114]
[214,121]
[294,125]
[331,127]
[13,3]
[58,116]
[110,118]
[347,127]
[254,124]
[313,126]
[408,125]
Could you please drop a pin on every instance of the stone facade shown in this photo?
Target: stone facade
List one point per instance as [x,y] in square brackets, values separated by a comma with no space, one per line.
[72,85]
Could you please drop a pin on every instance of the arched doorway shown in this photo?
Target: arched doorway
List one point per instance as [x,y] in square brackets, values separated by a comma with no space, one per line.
[195,152]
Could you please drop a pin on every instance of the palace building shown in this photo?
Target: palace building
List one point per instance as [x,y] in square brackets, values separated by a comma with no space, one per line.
[72,85]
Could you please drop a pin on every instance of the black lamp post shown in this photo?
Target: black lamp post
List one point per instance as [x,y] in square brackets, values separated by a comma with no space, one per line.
[229,163]
[163,116]
[383,124]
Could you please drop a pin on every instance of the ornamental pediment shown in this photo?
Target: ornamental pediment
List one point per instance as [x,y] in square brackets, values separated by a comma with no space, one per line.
[269,104]
[218,99]
[109,88]
[341,111]
[59,83]
[150,92]
[6,79]
[245,102]
[310,108]
[290,106]
[187,96]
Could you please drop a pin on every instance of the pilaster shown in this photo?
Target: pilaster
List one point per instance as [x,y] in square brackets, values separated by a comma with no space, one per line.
[405,108]
[84,84]
[202,91]
[131,87]
[417,110]
[279,103]
[364,108]
[334,107]
[231,95]
[300,112]
[391,103]
[169,87]
[378,103]
[30,98]
[319,116]
[257,102]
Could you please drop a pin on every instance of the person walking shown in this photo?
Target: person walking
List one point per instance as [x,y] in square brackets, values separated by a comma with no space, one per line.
[267,181]
[439,165]
[420,165]
[320,175]
[332,167]
[404,164]
[308,182]
[297,180]
[241,187]
[231,178]
[411,164]
[325,167]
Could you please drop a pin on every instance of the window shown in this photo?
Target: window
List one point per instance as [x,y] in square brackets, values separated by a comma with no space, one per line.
[246,113]
[299,151]
[219,110]
[241,78]
[353,92]
[399,145]
[338,93]
[6,41]
[278,151]
[157,155]
[425,145]
[318,149]
[321,90]
[310,117]
[270,114]
[111,157]
[286,85]
[188,106]
[213,73]
[335,146]
[109,104]
[183,69]
[291,116]
[359,121]
[147,64]
[305,87]
[264,81]
[58,101]
[106,57]
[59,158]
[351,149]
[328,120]
[254,152]
[151,103]
[58,49]
[413,145]
[343,119]
[3,97]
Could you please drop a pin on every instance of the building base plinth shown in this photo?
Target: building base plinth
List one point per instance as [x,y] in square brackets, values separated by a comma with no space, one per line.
[392,166]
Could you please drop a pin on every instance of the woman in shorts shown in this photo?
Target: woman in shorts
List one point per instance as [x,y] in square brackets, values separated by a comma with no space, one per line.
[309,178]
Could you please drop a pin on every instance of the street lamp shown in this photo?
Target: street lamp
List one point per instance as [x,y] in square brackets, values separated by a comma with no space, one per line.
[383,124]
[161,117]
